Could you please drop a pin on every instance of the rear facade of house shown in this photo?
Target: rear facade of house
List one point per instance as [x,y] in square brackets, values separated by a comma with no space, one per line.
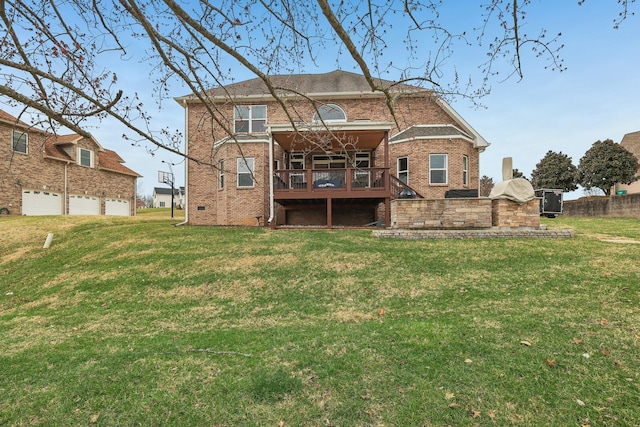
[46,174]
[334,157]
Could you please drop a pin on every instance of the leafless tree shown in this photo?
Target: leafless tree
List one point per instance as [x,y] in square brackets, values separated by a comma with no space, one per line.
[56,55]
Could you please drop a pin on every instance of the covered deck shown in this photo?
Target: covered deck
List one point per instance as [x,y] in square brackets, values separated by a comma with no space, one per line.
[332,172]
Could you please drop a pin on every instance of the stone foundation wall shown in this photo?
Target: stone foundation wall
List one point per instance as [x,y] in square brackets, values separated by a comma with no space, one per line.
[471,213]
[441,213]
[507,213]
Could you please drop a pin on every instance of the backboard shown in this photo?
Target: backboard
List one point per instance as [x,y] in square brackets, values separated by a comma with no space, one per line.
[165,177]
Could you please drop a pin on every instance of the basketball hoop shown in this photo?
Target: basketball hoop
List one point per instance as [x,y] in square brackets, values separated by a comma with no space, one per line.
[165,178]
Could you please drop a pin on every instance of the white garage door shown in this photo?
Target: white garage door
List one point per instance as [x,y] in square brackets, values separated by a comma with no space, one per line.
[84,205]
[40,202]
[117,207]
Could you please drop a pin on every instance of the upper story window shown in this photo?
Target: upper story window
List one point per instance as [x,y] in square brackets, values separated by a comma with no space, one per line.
[438,168]
[85,157]
[250,118]
[329,113]
[20,142]
[245,171]
[465,170]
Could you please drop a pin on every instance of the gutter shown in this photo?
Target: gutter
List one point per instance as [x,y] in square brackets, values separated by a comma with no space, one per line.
[186,166]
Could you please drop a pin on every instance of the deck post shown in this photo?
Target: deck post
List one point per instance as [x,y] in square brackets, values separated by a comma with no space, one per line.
[329,209]
[387,212]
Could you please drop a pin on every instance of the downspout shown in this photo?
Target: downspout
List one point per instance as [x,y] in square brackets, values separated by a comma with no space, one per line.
[135,199]
[271,196]
[64,204]
[186,165]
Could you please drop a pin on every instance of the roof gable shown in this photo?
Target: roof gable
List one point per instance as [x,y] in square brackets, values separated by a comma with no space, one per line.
[110,160]
[429,132]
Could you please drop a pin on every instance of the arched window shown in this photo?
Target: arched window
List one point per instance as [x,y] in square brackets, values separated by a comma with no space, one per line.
[330,113]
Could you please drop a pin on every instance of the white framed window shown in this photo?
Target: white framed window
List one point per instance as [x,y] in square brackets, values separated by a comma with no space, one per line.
[85,157]
[438,168]
[329,113]
[296,161]
[329,161]
[250,118]
[403,169]
[20,142]
[297,179]
[362,174]
[245,172]
[221,174]
[465,170]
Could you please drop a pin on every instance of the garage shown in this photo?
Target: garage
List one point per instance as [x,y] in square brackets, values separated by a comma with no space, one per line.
[84,205]
[39,202]
[117,207]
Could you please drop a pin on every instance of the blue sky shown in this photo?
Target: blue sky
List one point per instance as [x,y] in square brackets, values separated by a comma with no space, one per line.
[596,98]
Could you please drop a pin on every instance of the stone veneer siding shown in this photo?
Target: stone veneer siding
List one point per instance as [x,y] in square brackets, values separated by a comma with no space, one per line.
[441,213]
[471,213]
[473,234]
[507,213]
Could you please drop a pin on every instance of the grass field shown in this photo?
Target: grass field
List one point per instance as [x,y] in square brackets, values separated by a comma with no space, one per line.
[132,321]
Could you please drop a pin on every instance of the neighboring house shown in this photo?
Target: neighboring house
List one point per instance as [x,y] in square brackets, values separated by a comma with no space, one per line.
[631,142]
[162,197]
[337,157]
[46,174]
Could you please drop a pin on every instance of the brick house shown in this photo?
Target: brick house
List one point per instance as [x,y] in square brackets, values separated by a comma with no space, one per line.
[162,197]
[46,174]
[336,156]
[631,142]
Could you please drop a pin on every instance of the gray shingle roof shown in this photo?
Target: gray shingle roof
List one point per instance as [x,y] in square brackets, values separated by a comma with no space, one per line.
[334,82]
[167,190]
[444,131]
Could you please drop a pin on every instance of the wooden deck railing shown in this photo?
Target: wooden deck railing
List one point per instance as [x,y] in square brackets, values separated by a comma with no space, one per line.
[319,180]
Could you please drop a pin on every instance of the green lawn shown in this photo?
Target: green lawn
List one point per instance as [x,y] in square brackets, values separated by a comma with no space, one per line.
[132,321]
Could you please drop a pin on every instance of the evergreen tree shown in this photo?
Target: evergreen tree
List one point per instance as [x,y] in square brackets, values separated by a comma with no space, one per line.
[486,185]
[605,164]
[555,170]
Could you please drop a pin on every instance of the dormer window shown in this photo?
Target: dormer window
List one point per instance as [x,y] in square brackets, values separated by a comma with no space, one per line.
[329,113]
[250,118]
[85,157]
[20,142]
